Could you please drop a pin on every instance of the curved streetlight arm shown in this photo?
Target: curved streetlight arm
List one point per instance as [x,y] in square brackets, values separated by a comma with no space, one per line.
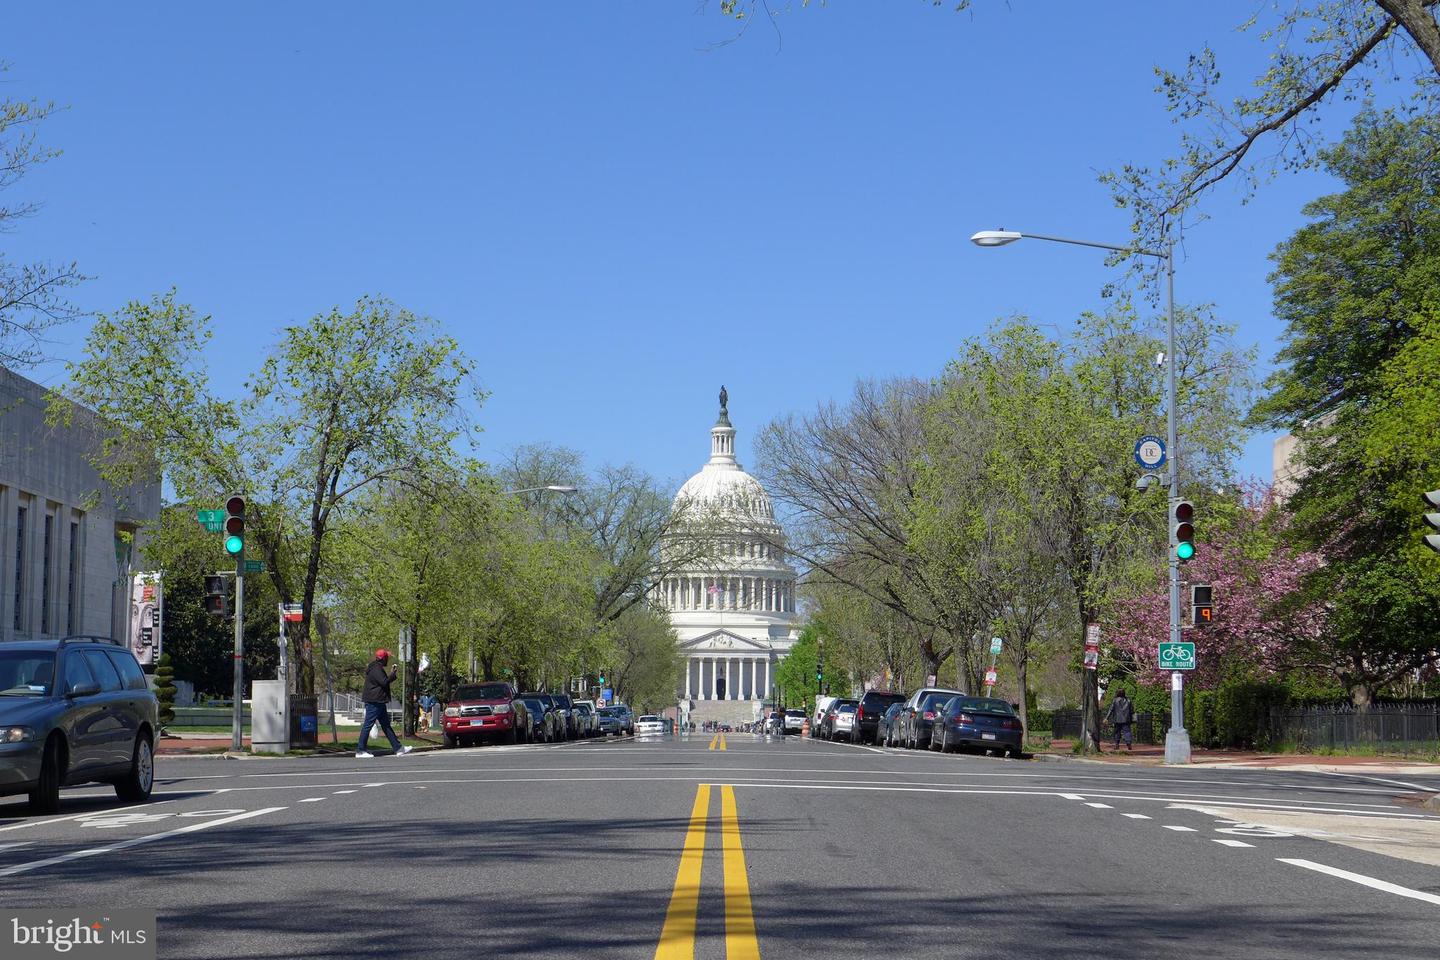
[553,488]
[999,238]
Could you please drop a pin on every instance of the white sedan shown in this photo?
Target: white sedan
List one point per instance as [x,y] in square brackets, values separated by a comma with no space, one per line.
[648,724]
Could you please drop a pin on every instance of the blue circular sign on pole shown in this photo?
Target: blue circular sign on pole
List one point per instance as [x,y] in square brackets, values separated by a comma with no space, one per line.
[1150,452]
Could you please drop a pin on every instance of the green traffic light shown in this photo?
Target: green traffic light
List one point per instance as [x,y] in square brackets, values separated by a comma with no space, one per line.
[1184,550]
[234,544]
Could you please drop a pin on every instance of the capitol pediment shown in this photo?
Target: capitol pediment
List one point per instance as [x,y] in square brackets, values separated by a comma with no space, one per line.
[723,641]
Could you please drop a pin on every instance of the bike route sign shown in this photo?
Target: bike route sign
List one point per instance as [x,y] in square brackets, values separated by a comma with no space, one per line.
[1177,656]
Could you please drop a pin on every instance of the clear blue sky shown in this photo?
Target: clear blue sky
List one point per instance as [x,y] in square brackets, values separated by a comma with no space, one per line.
[613,214]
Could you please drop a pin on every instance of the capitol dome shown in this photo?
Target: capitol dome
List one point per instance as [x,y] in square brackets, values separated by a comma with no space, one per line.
[727,587]
[722,486]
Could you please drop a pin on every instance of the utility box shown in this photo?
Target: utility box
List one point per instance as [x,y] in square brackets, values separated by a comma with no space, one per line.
[269,719]
[304,722]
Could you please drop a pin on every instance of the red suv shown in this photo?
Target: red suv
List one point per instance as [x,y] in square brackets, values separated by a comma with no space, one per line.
[478,710]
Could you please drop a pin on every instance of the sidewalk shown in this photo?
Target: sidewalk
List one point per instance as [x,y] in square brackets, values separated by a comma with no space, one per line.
[193,744]
[1154,754]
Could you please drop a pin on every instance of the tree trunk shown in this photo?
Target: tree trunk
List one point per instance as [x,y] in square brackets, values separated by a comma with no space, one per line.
[1361,695]
[1022,672]
[1417,21]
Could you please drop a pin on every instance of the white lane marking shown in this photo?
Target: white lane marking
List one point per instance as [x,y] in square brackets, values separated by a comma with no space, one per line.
[372,784]
[1135,816]
[1171,826]
[933,771]
[91,813]
[1100,806]
[1071,796]
[1233,843]
[1398,783]
[125,844]
[1363,880]
[13,846]
[312,799]
[344,791]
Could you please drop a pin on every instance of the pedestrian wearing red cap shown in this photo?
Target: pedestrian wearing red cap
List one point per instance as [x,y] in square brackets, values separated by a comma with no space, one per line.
[376,695]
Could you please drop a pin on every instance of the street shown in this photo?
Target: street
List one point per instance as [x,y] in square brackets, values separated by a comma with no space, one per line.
[737,845]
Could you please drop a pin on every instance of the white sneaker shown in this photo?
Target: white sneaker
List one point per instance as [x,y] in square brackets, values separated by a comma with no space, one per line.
[362,755]
[402,751]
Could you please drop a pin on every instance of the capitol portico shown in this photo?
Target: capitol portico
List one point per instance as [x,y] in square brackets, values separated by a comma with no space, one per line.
[733,606]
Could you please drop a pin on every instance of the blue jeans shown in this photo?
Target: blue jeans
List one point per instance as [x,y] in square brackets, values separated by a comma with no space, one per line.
[376,713]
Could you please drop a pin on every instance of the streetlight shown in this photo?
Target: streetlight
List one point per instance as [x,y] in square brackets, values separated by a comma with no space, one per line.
[553,488]
[1177,738]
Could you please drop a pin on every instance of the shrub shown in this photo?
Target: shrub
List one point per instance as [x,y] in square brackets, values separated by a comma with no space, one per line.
[165,690]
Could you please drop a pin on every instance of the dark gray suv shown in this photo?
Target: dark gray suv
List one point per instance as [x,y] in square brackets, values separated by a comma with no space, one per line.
[74,711]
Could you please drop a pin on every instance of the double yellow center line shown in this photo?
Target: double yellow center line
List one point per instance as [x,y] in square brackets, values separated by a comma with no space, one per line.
[677,937]
[717,742]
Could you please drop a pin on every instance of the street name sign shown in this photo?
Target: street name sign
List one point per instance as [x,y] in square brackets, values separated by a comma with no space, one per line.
[1177,656]
[254,566]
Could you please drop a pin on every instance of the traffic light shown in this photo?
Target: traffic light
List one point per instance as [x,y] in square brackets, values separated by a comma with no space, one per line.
[1202,604]
[216,603]
[1182,529]
[819,671]
[602,678]
[1432,520]
[235,525]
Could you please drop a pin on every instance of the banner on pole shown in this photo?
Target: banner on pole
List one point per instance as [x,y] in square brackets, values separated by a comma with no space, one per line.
[146,618]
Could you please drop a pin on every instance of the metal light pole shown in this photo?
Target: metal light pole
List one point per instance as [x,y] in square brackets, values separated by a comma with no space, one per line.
[1177,738]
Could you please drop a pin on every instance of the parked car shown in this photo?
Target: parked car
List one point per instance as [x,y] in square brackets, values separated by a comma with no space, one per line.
[561,729]
[827,720]
[920,711]
[649,725]
[627,717]
[886,730]
[610,721]
[566,706]
[476,711]
[822,704]
[794,721]
[545,726]
[842,719]
[73,711]
[585,718]
[977,722]
[867,715]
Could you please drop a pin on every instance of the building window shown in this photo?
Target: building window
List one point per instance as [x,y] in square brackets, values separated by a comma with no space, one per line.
[74,598]
[45,574]
[20,567]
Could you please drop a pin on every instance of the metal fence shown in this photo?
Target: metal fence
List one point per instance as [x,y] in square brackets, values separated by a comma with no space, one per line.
[1148,728]
[1385,727]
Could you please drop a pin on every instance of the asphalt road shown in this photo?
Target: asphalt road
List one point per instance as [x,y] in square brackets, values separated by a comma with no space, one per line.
[675,847]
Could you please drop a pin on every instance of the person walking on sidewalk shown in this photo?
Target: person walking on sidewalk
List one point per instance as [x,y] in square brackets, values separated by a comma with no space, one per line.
[1122,714]
[376,695]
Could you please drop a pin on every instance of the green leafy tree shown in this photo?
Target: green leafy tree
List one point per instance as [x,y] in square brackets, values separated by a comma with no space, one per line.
[346,400]
[1356,288]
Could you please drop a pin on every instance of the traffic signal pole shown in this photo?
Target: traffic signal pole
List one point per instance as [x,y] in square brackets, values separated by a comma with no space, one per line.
[1177,738]
[237,716]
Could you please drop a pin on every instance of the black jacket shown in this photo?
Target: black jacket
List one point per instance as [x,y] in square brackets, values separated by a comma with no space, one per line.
[1121,711]
[377,682]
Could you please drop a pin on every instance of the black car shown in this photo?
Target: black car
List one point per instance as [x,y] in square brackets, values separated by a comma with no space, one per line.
[872,707]
[74,711]
[549,701]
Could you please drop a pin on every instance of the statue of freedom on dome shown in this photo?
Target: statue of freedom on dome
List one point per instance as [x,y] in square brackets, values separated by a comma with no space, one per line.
[724,398]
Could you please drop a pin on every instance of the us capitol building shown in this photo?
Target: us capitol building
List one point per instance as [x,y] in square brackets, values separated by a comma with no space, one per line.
[732,605]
